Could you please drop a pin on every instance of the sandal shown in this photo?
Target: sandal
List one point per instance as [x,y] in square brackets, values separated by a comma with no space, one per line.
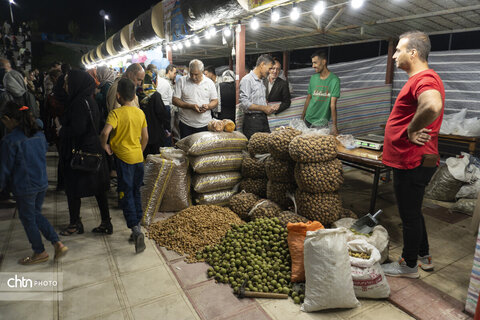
[60,252]
[32,260]
[72,228]
[104,227]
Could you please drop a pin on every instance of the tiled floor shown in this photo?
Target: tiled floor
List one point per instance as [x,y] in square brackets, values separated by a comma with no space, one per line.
[105,279]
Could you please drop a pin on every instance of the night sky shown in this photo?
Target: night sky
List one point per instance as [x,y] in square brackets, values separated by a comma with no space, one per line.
[54,15]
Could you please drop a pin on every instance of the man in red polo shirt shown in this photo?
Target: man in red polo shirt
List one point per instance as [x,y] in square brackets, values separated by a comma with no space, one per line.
[411,148]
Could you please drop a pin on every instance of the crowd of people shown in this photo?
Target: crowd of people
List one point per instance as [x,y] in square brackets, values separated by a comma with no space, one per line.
[14,42]
[104,125]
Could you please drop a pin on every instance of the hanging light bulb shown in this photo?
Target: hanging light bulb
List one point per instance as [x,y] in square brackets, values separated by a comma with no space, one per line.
[188,43]
[168,48]
[212,31]
[174,47]
[196,40]
[227,32]
[207,34]
[275,15]
[180,46]
[356,4]
[254,24]
[295,13]
[319,8]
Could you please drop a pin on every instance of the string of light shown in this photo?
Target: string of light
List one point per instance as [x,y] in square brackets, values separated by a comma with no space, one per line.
[210,32]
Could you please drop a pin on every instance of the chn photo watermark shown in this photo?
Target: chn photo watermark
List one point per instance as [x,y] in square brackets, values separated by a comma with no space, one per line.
[35,286]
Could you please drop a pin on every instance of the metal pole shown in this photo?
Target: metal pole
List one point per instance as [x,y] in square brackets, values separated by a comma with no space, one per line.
[105,28]
[11,12]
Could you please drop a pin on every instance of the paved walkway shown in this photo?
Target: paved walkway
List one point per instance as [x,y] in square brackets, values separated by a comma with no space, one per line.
[105,279]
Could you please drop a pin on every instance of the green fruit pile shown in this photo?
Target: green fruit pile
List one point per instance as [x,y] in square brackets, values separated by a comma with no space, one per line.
[298,293]
[255,253]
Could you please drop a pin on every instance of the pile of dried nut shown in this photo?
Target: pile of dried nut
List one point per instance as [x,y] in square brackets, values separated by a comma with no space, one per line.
[192,229]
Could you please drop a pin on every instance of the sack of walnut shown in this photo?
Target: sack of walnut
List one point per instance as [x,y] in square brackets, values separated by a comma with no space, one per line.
[277,192]
[264,209]
[203,183]
[252,167]
[217,162]
[313,147]
[255,186]
[320,176]
[279,140]
[242,203]
[218,198]
[280,170]
[258,143]
[323,207]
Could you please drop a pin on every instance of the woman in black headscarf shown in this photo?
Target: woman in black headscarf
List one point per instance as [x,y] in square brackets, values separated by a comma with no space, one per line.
[79,132]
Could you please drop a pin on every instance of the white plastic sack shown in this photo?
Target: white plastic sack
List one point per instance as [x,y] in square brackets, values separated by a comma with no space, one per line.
[443,186]
[347,140]
[469,191]
[457,124]
[466,206]
[328,276]
[379,237]
[368,277]
[461,169]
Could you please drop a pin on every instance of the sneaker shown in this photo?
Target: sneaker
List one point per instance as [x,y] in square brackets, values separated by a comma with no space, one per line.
[425,262]
[131,240]
[139,243]
[400,269]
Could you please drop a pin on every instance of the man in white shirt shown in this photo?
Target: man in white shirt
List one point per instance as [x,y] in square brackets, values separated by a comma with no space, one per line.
[165,88]
[196,96]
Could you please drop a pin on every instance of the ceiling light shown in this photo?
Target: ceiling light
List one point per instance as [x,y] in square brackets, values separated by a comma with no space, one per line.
[295,13]
[356,4]
[180,46]
[319,8]
[227,32]
[168,48]
[254,24]
[188,43]
[275,16]
[196,40]
[174,47]
[207,34]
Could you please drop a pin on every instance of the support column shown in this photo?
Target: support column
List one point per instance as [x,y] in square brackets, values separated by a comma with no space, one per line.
[240,57]
[230,62]
[390,62]
[286,63]
[169,55]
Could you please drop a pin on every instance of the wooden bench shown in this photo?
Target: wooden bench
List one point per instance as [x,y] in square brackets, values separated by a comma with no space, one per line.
[452,145]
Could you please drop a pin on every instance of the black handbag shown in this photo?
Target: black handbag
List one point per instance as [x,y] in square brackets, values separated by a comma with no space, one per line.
[86,161]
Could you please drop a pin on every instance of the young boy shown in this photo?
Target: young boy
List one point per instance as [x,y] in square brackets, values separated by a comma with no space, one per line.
[127,142]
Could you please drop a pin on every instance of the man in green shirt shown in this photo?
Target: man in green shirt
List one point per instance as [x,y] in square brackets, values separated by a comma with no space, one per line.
[323,93]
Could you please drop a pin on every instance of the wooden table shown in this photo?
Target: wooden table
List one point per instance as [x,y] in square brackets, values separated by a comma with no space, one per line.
[451,145]
[366,160]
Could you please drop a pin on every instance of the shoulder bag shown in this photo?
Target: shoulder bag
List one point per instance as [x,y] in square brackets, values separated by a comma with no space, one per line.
[86,161]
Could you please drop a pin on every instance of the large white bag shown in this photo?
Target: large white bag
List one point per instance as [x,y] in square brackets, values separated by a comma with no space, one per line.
[328,275]
[368,277]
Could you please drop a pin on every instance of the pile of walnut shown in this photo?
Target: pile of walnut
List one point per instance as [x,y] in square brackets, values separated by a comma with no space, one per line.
[280,166]
[319,176]
[242,203]
[192,229]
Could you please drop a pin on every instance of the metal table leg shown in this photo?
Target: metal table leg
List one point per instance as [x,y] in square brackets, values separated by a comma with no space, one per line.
[373,198]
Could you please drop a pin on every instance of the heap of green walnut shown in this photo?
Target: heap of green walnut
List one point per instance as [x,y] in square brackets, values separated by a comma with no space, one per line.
[256,254]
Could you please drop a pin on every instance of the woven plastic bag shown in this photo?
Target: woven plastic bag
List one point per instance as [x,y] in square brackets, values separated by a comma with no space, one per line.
[177,196]
[217,162]
[368,277]
[328,275]
[296,237]
[206,142]
[443,186]
[379,237]
[218,198]
[203,183]
[158,172]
